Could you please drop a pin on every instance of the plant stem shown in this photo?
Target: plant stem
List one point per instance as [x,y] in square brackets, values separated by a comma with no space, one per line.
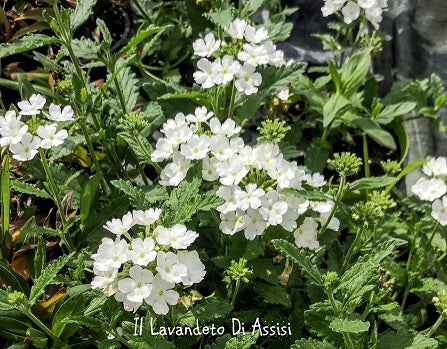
[236,290]
[65,235]
[143,148]
[338,197]
[442,257]
[42,326]
[432,235]
[435,326]
[233,95]
[351,250]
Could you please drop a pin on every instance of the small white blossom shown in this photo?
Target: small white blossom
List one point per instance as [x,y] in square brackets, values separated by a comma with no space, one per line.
[225,69]
[11,129]
[146,217]
[51,138]
[351,12]
[142,252]
[228,128]
[178,237]
[196,148]
[250,197]
[436,167]
[138,286]
[255,36]
[169,267]
[120,226]
[439,211]
[195,268]
[56,113]
[273,209]
[32,106]
[111,254]
[254,223]
[176,171]
[161,295]
[284,94]
[201,114]
[205,75]
[209,169]
[248,80]
[429,189]
[207,46]
[306,234]
[236,29]
[232,222]
[26,149]
[163,150]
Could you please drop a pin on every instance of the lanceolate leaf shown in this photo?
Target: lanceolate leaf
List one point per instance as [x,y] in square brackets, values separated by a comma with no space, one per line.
[12,278]
[287,249]
[47,278]
[81,13]
[25,43]
[31,189]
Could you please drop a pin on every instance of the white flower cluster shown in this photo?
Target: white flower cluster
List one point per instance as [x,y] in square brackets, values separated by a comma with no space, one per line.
[250,178]
[150,265]
[351,10]
[14,132]
[253,48]
[434,188]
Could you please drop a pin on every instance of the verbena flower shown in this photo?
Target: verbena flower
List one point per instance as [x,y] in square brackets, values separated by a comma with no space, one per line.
[207,46]
[32,106]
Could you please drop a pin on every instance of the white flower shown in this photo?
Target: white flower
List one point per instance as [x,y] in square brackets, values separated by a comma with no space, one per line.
[296,207]
[209,169]
[178,121]
[205,75]
[266,156]
[138,285]
[351,12]
[429,189]
[178,135]
[316,180]
[272,55]
[247,156]
[225,69]
[55,113]
[51,138]
[107,281]
[175,172]
[306,234]
[169,267]
[146,217]
[228,128]
[332,6]
[273,209]
[26,149]
[254,223]
[163,150]
[236,29]
[284,94]
[128,305]
[11,129]
[248,80]
[221,147]
[367,3]
[250,197]
[161,295]
[201,114]
[32,106]
[283,171]
[195,268]
[254,35]
[322,206]
[231,172]
[436,167]
[232,222]
[120,226]
[178,237]
[374,15]
[439,211]
[227,193]
[196,148]
[142,252]
[111,254]
[334,223]
[254,55]
[207,46]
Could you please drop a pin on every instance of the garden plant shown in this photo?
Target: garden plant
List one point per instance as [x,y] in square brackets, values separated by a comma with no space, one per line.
[170,179]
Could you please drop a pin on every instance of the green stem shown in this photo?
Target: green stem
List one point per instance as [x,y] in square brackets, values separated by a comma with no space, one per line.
[233,95]
[43,327]
[236,290]
[93,155]
[148,155]
[366,160]
[442,257]
[435,326]
[351,250]
[407,269]
[338,197]
[120,95]
[432,235]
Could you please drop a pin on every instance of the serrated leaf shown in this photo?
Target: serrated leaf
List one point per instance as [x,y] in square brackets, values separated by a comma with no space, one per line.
[81,13]
[40,258]
[128,84]
[289,250]
[221,17]
[142,151]
[274,294]
[46,278]
[349,326]
[141,36]
[27,188]
[311,344]
[25,43]
[371,183]
[251,7]
[279,31]
[242,341]
[208,312]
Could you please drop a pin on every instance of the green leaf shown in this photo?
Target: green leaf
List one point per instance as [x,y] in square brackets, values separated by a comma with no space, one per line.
[81,13]
[251,7]
[208,312]
[30,189]
[349,326]
[371,183]
[141,36]
[354,71]
[221,17]
[242,341]
[332,107]
[311,344]
[266,270]
[140,197]
[40,258]
[72,306]
[373,130]
[429,285]
[128,83]
[317,155]
[335,75]
[12,278]
[25,43]
[274,294]
[390,112]
[146,341]
[279,31]
[289,250]
[5,201]
[84,48]
[88,195]
[26,89]
[47,278]
[142,151]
